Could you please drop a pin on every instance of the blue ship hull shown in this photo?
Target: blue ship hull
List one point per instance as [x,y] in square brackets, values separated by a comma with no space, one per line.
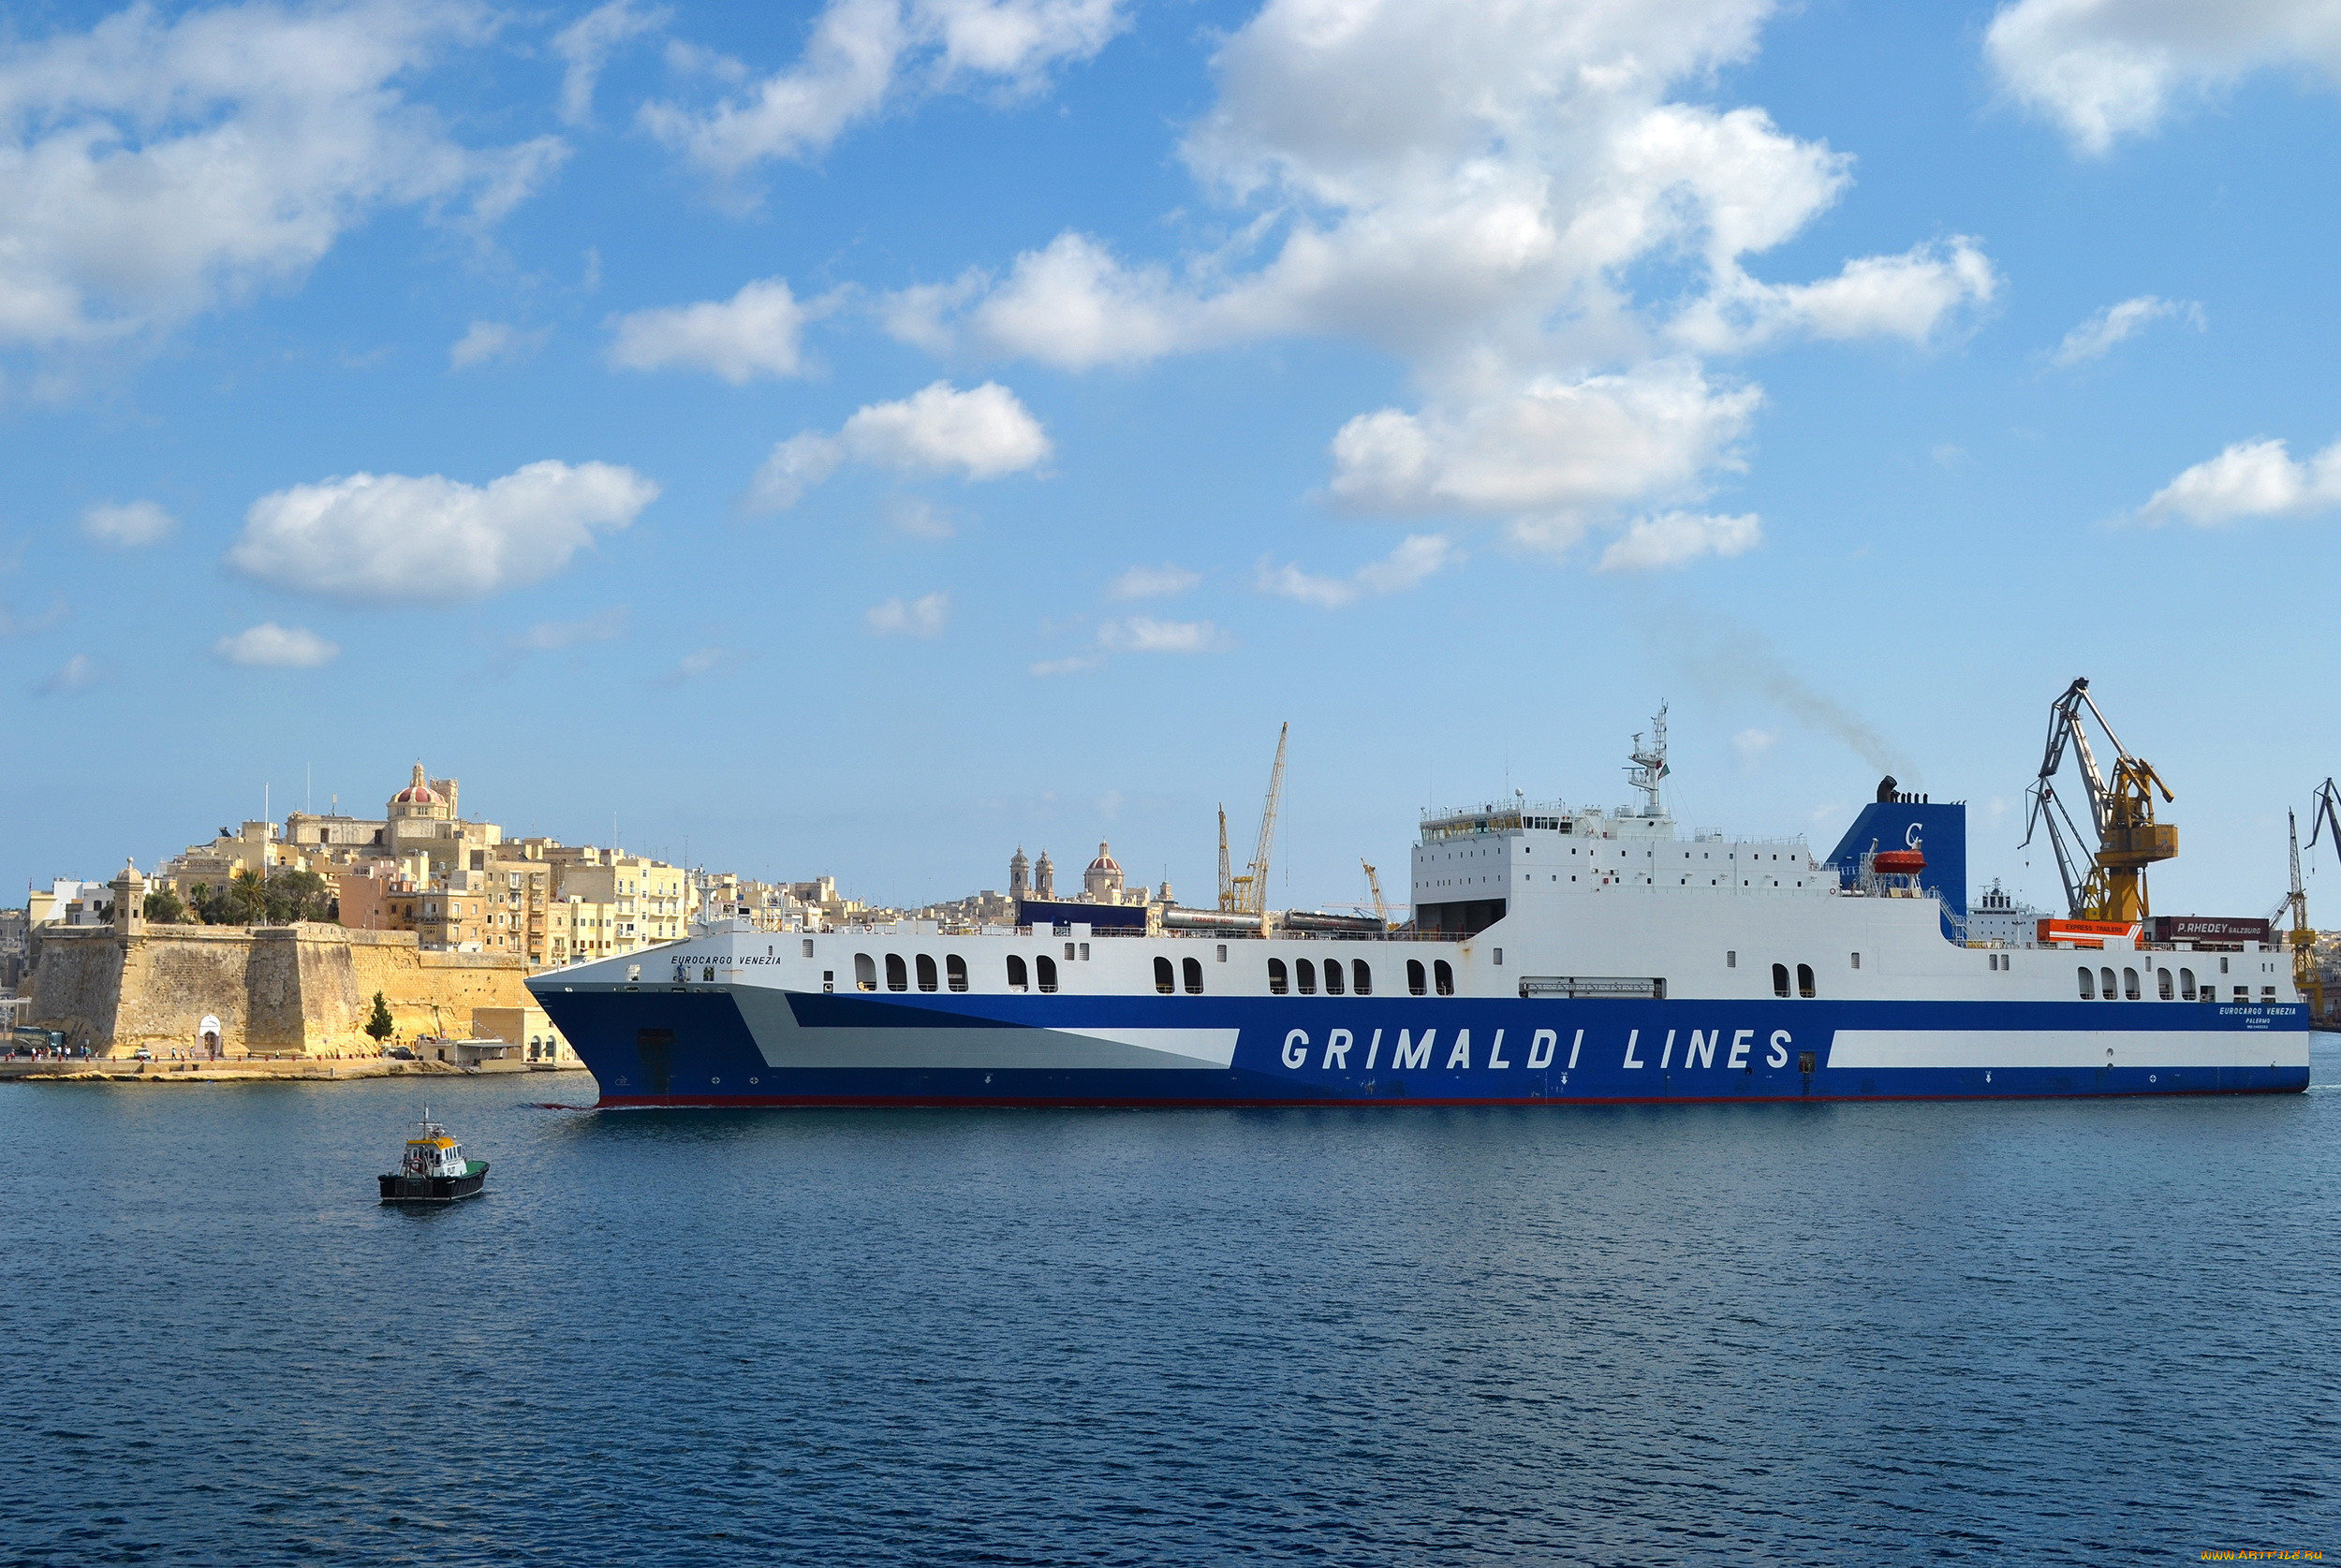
[695,1046]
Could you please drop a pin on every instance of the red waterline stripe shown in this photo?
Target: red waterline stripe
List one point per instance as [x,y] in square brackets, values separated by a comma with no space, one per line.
[856,1102]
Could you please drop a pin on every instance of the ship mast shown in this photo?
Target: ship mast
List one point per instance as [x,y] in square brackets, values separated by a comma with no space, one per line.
[1650,765]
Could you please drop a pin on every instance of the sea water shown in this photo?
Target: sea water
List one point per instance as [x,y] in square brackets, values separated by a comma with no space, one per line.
[2088,1331]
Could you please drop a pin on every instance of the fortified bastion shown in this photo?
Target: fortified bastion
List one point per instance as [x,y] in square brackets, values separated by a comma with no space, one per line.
[305,990]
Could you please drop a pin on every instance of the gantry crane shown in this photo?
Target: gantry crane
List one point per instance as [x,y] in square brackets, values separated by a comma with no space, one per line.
[1374,886]
[1247,894]
[2121,810]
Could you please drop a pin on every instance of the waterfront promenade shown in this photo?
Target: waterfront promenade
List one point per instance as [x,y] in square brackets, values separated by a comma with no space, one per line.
[52,1068]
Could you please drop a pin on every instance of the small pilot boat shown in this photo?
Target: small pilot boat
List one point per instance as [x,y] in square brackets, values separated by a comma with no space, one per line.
[433,1169]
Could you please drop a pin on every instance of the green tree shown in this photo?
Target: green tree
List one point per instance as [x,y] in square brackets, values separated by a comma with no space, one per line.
[246,903]
[379,1025]
[164,908]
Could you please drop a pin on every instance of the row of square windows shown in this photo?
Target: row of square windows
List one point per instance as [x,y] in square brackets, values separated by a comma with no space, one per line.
[2100,986]
[1186,974]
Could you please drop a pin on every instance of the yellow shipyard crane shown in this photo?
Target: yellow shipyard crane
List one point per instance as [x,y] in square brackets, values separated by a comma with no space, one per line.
[1227,883]
[2111,883]
[1374,886]
[2302,936]
[1247,894]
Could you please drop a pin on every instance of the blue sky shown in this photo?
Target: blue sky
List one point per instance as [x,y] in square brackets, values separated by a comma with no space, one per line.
[865,438]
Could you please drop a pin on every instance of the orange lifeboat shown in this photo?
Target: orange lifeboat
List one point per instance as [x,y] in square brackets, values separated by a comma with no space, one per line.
[1898,862]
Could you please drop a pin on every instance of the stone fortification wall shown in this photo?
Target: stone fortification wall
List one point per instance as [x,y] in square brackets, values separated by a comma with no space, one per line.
[414,983]
[277,990]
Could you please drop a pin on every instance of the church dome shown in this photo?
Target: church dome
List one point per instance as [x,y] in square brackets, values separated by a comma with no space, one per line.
[1104,861]
[418,792]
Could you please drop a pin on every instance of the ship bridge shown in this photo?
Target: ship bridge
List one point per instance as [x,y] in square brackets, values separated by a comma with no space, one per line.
[1474,865]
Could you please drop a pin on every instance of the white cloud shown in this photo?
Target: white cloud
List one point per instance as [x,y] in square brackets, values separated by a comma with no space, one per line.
[1913,296]
[1678,537]
[13,624]
[433,540]
[1510,200]
[1143,634]
[983,434]
[703,661]
[2250,479]
[757,331]
[494,340]
[1416,557]
[78,673]
[270,646]
[127,525]
[918,517]
[159,164]
[550,637]
[1553,455]
[1074,666]
[1753,746]
[920,616]
[860,53]
[2103,70]
[2116,323]
[1074,305]
[586,45]
[1153,582]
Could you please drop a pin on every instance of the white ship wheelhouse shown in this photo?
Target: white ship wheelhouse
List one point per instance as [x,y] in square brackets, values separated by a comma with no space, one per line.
[1476,866]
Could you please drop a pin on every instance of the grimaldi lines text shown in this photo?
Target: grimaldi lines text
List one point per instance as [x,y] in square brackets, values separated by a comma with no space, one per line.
[1555,956]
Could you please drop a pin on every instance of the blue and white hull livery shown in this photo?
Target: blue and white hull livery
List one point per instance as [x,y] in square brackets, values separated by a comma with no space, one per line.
[1557,956]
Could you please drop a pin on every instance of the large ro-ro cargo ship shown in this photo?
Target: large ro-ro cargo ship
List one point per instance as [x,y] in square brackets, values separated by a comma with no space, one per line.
[1557,955]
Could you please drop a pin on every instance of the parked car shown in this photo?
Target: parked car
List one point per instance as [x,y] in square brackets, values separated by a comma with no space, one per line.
[400,1053]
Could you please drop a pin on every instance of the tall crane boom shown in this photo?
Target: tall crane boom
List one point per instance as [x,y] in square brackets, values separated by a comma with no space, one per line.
[1247,893]
[1257,874]
[2111,883]
[1374,886]
[2324,812]
[1227,881]
[2302,936]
